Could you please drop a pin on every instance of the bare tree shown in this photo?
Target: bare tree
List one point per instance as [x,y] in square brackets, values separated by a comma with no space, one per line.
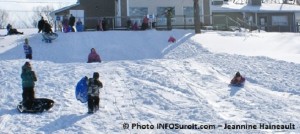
[3,18]
[42,12]
[197,22]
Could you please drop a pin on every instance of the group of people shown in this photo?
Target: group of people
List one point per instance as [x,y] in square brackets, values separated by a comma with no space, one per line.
[29,78]
[134,26]
[68,24]
[44,26]
[102,24]
[46,29]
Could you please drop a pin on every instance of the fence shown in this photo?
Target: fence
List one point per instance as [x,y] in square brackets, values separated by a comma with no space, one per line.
[219,22]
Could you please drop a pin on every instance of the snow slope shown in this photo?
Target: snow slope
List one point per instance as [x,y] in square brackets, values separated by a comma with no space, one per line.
[149,81]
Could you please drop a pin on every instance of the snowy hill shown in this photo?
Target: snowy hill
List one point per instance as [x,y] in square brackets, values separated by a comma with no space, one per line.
[148,81]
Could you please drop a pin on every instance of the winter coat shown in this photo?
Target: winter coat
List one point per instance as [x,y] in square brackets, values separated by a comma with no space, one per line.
[236,81]
[94,86]
[41,24]
[27,49]
[47,28]
[93,57]
[72,21]
[28,77]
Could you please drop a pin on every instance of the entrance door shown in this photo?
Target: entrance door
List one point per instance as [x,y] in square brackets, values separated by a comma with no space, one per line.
[263,23]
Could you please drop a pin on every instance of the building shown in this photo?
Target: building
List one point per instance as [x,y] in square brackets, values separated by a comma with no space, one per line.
[89,11]
[257,15]
[118,11]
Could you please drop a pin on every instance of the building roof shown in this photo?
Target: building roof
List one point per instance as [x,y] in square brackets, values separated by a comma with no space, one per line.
[63,9]
[231,7]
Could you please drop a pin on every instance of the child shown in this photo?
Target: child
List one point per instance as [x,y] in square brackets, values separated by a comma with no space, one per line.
[28,79]
[94,86]
[27,50]
[94,56]
[238,79]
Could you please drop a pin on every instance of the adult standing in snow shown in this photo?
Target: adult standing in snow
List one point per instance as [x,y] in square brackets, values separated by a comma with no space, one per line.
[94,86]
[65,23]
[27,50]
[94,56]
[41,24]
[99,25]
[72,22]
[28,78]
[47,32]
[145,23]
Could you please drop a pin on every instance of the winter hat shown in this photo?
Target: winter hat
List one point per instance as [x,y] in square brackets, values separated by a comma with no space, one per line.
[96,75]
[26,67]
[237,74]
[26,40]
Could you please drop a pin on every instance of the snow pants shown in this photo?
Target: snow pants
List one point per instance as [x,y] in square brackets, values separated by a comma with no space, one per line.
[93,103]
[28,96]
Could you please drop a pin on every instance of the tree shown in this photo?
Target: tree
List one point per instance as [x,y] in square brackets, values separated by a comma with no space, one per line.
[197,22]
[42,12]
[3,18]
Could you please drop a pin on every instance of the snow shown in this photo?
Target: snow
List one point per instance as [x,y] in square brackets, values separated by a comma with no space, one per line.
[265,7]
[149,81]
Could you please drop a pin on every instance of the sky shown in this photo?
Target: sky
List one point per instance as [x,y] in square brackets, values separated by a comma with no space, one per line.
[21,10]
[149,81]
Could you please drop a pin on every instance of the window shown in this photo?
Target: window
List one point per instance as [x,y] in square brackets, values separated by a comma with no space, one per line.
[188,11]
[280,20]
[138,11]
[161,11]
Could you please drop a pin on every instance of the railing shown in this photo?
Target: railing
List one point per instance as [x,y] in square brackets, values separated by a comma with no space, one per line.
[219,22]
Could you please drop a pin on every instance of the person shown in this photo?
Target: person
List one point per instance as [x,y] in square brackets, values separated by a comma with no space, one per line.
[128,24]
[65,23]
[8,27]
[99,25]
[104,24]
[171,39]
[93,56]
[237,79]
[41,24]
[72,22]
[11,30]
[47,32]
[27,50]
[94,85]
[145,23]
[28,79]
[135,26]
[79,26]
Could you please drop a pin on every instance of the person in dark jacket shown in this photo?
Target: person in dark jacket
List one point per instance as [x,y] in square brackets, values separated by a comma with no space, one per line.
[72,22]
[94,86]
[237,79]
[93,56]
[41,24]
[47,32]
[47,28]
[27,50]
[11,30]
[28,79]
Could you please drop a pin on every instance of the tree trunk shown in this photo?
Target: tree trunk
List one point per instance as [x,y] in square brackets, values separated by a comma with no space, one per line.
[197,22]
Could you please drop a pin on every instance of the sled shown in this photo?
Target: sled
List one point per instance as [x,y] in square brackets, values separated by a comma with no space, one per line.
[81,91]
[50,36]
[39,105]
[238,84]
